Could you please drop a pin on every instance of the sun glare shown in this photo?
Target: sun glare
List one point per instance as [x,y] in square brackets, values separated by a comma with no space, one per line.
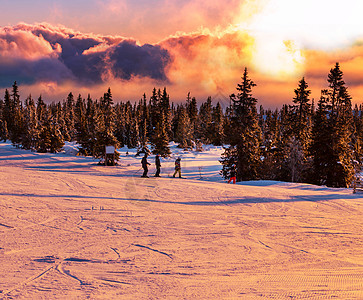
[277,57]
[284,28]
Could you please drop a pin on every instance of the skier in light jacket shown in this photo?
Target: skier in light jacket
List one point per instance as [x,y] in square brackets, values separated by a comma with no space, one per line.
[158,165]
[177,167]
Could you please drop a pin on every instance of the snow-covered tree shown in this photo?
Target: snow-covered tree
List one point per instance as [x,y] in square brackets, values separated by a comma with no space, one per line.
[245,135]
[332,146]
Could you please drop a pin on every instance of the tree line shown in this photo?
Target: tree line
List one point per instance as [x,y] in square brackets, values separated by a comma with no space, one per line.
[298,143]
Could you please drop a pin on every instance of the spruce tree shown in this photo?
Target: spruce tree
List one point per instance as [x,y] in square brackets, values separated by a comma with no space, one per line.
[297,136]
[16,114]
[217,134]
[205,128]
[89,144]
[321,147]
[165,108]
[82,134]
[358,138]
[334,159]
[69,131]
[301,115]
[120,124]
[142,117]
[134,131]
[143,124]
[160,144]
[4,135]
[105,125]
[31,131]
[183,133]
[192,110]
[50,137]
[270,143]
[8,114]
[246,135]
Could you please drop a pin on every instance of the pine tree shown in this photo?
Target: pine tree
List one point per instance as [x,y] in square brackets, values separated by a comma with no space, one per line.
[245,138]
[288,167]
[69,131]
[160,115]
[31,131]
[165,108]
[321,147]
[4,135]
[7,114]
[160,139]
[105,126]
[296,136]
[301,115]
[192,110]
[50,137]
[358,138]
[332,147]
[41,110]
[88,147]
[217,134]
[132,127]
[142,117]
[16,113]
[80,124]
[59,112]
[205,132]
[154,110]
[120,124]
[183,132]
[270,169]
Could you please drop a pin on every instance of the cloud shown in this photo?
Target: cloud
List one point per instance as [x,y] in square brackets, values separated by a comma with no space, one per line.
[32,71]
[34,53]
[207,62]
[129,60]
[23,44]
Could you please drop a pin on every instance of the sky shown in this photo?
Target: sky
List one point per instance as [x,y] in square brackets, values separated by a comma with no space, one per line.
[52,48]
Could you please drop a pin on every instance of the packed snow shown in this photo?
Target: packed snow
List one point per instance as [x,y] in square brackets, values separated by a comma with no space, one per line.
[73,229]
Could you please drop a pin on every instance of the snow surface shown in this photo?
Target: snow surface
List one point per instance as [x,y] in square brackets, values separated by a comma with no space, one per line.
[72,229]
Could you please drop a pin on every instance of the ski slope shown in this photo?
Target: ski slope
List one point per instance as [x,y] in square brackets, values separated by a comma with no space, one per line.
[72,229]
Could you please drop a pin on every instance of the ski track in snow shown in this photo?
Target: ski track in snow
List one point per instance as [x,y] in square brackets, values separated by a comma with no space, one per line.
[71,229]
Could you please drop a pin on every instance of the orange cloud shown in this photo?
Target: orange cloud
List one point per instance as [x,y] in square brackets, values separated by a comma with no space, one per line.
[24,44]
[208,63]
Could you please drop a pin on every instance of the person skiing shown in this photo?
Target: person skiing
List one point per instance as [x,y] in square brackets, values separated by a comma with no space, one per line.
[177,167]
[144,165]
[232,174]
[158,165]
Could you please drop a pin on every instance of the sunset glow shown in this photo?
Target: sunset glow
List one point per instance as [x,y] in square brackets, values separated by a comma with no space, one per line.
[200,47]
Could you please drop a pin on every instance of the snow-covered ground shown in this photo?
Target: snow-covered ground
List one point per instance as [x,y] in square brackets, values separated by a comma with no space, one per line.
[72,229]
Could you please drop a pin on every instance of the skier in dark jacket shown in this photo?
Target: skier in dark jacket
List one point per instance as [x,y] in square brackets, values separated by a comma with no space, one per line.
[145,164]
[177,167]
[232,174]
[158,165]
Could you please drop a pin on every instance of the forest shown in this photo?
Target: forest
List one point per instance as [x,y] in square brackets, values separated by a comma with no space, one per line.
[304,141]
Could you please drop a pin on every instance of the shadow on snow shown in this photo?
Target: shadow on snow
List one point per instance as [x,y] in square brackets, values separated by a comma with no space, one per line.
[245,200]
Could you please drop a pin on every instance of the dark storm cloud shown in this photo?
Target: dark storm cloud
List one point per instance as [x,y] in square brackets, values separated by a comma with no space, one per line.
[35,53]
[145,61]
[32,71]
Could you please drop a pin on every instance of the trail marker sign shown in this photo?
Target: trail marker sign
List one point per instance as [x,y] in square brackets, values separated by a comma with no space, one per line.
[110,155]
[110,149]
